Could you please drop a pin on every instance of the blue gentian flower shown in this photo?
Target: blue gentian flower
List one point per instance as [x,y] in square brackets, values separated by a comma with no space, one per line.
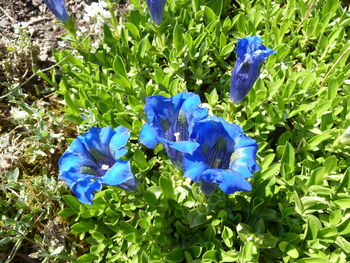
[170,121]
[58,8]
[250,56]
[226,157]
[156,9]
[93,159]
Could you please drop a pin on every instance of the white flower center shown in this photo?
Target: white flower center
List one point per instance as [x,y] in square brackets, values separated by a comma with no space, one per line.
[177,136]
[105,167]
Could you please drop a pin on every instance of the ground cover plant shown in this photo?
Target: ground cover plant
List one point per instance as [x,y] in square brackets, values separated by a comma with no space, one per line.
[126,77]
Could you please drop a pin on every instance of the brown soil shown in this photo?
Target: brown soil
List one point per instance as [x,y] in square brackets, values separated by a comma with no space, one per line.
[16,63]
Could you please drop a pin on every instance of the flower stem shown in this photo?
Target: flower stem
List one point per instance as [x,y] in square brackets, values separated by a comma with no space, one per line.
[335,64]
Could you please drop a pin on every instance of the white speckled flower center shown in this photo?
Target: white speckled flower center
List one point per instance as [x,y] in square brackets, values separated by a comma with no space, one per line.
[105,167]
[177,136]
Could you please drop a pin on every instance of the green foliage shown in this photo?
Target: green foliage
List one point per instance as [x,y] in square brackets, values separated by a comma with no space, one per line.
[29,207]
[298,210]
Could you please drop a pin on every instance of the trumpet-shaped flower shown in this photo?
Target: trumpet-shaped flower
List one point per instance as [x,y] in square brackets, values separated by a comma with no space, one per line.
[170,121]
[58,8]
[250,56]
[226,157]
[156,9]
[93,159]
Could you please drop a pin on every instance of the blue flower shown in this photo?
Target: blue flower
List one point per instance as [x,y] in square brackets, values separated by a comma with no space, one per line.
[58,8]
[156,9]
[225,157]
[170,121]
[250,56]
[93,159]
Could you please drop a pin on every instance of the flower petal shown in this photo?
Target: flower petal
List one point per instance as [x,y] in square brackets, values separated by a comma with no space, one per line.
[228,181]
[243,160]
[58,8]
[158,108]
[190,101]
[129,185]
[85,187]
[91,139]
[77,147]
[248,45]
[200,114]
[207,132]
[71,162]
[148,136]
[250,56]
[184,146]
[243,140]
[106,134]
[71,178]
[118,174]
[194,165]
[156,9]
[118,141]
[233,130]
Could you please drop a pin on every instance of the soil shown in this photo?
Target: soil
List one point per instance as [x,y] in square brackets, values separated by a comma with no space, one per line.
[44,35]
[46,32]
[17,57]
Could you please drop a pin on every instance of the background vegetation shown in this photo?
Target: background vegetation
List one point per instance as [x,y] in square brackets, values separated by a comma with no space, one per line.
[298,210]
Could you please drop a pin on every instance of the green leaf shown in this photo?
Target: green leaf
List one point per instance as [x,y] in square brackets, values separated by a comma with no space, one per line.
[213,97]
[196,218]
[344,226]
[328,233]
[67,212]
[209,15]
[313,260]
[345,182]
[150,198]
[314,225]
[178,40]
[268,159]
[140,160]
[216,6]
[316,177]
[167,187]
[343,202]
[298,205]
[195,5]
[229,256]
[73,202]
[133,30]
[119,67]
[287,161]
[121,80]
[176,255]
[82,227]
[73,119]
[248,252]
[289,249]
[87,258]
[227,235]
[330,163]
[210,255]
[318,139]
[288,156]
[98,236]
[144,257]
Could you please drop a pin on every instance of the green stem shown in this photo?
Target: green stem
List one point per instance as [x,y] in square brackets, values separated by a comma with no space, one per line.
[335,65]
